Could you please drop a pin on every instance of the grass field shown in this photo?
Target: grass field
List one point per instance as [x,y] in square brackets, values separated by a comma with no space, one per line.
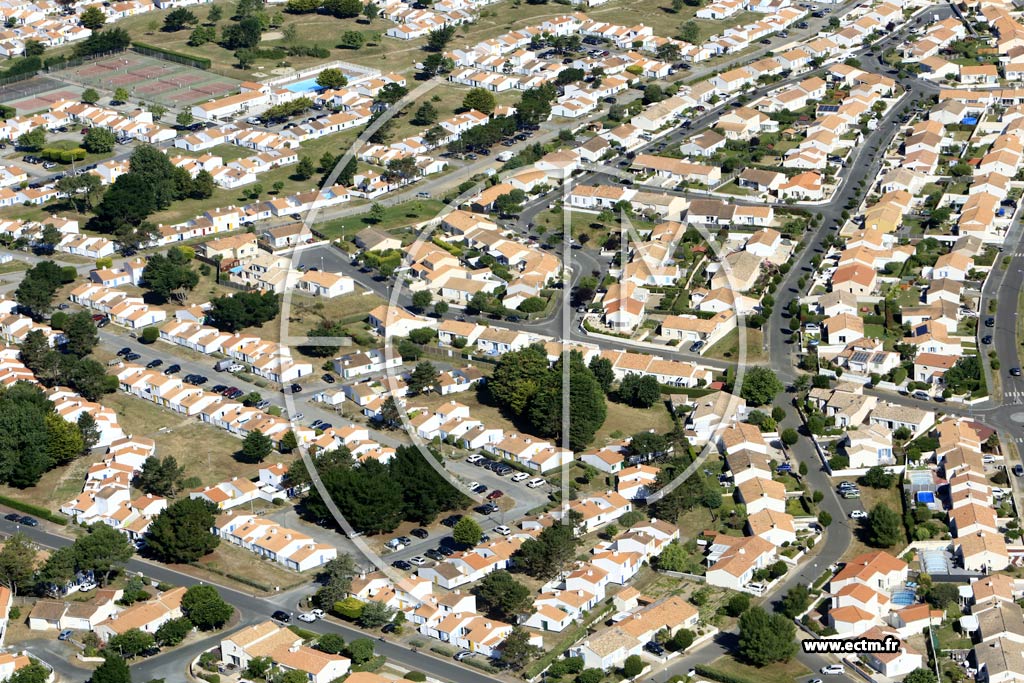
[397,216]
[623,419]
[870,497]
[728,347]
[780,672]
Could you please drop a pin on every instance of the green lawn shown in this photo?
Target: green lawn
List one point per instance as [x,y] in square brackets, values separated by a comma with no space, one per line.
[780,672]
[397,216]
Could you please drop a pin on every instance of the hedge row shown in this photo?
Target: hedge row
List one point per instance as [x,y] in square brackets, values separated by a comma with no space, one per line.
[30,509]
[63,155]
[720,676]
[171,55]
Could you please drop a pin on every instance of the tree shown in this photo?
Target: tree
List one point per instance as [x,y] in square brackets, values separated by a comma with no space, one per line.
[550,553]
[131,643]
[81,333]
[32,141]
[201,35]
[172,632]
[467,532]
[89,430]
[877,478]
[920,675]
[690,32]
[84,190]
[502,596]
[424,376]
[738,604]
[391,93]
[121,95]
[942,595]
[360,650]
[171,275]
[351,40]
[824,519]
[884,526]
[103,550]
[305,168]
[113,670]
[516,651]
[160,476]
[244,309]
[440,308]
[766,638]
[215,14]
[668,52]
[205,608]
[184,118]
[510,203]
[331,79]
[653,93]
[179,18]
[181,533]
[375,614]
[33,672]
[256,446]
[795,601]
[331,643]
[64,441]
[640,391]
[633,666]
[371,11]
[790,436]
[335,578]
[17,563]
[92,17]
[760,386]
[242,35]
[422,299]
[602,370]
[89,96]
[436,63]
[480,99]
[439,38]
[426,114]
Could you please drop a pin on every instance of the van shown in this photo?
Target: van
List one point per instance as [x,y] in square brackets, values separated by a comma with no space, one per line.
[222,365]
[833,670]
[757,589]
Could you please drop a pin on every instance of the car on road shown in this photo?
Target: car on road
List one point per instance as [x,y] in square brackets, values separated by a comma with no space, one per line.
[858,514]
[420,532]
[1018,470]
[28,521]
[132,357]
[495,494]
[12,517]
[1015,372]
[171,369]
[990,322]
[520,476]
[281,616]
[503,530]
[155,363]
[296,388]
[307,617]
[987,339]
[401,564]
[419,560]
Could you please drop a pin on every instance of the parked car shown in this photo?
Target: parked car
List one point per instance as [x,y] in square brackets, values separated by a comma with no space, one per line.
[1015,372]
[401,564]
[503,530]
[171,369]
[463,654]
[65,634]
[833,670]
[281,616]
[990,322]
[29,521]
[434,555]
[858,514]
[307,617]
[328,377]
[12,517]
[155,363]
[535,482]
[296,388]
[987,339]
[654,648]
[520,476]
[495,494]
[420,532]
[479,489]
[1018,470]
[131,357]
[451,520]
[419,560]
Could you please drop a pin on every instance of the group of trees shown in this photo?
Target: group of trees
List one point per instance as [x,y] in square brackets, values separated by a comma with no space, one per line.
[181,533]
[34,439]
[376,498]
[526,387]
[151,184]
[38,286]
[50,366]
[552,551]
[244,309]
[639,391]
[102,551]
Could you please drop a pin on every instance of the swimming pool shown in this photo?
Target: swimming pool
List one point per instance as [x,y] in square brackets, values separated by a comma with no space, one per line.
[925,497]
[904,597]
[308,85]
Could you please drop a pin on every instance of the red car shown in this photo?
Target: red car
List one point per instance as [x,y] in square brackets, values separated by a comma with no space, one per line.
[98,317]
[495,494]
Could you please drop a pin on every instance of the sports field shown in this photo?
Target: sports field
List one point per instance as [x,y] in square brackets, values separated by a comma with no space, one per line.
[36,94]
[150,80]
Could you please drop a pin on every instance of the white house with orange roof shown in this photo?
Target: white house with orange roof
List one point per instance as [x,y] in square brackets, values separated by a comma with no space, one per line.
[733,560]
[285,649]
[636,482]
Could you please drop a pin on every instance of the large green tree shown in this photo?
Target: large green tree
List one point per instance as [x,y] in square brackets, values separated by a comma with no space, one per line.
[551,552]
[170,276]
[181,533]
[885,529]
[113,670]
[103,550]
[205,608]
[17,563]
[160,476]
[766,638]
[502,596]
[760,386]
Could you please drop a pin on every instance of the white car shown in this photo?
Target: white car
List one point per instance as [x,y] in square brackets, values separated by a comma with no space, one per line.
[237,367]
[476,457]
[472,485]
[419,560]
[318,613]
[858,514]
[534,483]
[503,530]
[308,617]
[520,476]
[833,670]
[87,586]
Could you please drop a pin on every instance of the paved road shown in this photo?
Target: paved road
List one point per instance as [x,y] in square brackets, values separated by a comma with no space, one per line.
[252,610]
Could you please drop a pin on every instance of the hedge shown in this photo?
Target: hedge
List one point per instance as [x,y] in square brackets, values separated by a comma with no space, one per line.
[721,676]
[171,55]
[63,155]
[30,509]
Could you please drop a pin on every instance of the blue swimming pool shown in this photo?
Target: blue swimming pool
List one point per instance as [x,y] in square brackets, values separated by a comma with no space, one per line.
[904,597]
[925,497]
[308,85]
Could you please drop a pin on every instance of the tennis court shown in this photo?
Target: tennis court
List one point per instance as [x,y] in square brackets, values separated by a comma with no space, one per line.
[151,80]
[36,94]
